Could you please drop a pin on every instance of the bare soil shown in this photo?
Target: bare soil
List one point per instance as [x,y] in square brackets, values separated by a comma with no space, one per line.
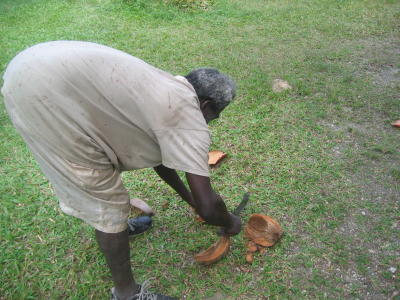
[370,147]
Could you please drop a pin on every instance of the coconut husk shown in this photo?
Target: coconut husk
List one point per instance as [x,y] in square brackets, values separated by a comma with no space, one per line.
[214,157]
[214,253]
[251,247]
[249,258]
[263,230]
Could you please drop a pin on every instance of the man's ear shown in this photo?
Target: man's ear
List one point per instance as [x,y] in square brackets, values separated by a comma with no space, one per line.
[204,104]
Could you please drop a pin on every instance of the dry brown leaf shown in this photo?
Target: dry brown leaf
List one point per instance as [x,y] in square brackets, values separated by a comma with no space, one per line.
[396,123]
[215,157]
[199,219]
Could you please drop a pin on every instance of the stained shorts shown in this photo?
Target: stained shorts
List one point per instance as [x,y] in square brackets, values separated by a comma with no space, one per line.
[86,183]
[96,196]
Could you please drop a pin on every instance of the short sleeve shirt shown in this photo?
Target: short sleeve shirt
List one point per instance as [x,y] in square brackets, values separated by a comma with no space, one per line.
[96,106]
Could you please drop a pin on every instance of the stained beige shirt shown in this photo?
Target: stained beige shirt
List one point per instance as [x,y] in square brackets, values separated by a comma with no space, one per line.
[95,106]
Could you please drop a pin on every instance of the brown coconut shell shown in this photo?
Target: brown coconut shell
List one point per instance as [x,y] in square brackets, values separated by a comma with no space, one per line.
[251,247]
[215,157]
[263,230]
[214,253]
[249,258]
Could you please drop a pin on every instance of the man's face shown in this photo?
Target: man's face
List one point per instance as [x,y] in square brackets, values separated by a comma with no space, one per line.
[209,111]
[211,116]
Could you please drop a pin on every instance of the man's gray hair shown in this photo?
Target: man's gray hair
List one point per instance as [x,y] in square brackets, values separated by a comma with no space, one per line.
[212,85]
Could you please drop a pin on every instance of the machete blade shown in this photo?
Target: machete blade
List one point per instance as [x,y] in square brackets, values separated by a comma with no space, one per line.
[242,204]
[237,210]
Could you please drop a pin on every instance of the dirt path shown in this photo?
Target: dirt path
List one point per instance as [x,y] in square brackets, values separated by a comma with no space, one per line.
[369,147]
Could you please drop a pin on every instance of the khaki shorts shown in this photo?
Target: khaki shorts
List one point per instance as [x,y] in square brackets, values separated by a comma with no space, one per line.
[85,181]
[97,196]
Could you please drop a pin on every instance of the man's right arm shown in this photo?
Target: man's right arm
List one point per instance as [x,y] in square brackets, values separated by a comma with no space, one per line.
[210,206]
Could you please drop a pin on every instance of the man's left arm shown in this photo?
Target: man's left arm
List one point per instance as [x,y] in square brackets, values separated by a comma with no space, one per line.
[173,180]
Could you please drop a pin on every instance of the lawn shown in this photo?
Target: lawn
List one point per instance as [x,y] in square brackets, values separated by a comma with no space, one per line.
[321,158]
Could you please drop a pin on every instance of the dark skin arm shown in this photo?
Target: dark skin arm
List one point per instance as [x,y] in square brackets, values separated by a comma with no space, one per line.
[173,180]
[208,204]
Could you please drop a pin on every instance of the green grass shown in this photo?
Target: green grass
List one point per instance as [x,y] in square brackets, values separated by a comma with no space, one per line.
[313,158]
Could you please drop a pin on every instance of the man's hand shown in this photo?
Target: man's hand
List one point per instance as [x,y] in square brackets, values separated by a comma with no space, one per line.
[210,206]
[235,227]
[203,199]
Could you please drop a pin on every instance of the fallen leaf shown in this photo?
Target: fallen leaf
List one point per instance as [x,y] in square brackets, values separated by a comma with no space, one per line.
[396,123]
[199,219]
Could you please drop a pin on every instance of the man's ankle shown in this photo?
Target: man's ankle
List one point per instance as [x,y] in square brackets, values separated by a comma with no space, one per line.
[128,293]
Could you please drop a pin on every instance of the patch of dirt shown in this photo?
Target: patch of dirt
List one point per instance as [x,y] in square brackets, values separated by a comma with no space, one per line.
[388,76]
[372,269]
[373,282]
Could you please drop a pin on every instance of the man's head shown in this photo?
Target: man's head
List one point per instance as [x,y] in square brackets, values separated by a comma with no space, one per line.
[214,90]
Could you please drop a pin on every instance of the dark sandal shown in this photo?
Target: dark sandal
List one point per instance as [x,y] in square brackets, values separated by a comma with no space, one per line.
[139,225]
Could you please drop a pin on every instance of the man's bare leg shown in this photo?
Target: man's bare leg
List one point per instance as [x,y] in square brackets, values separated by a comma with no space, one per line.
[115,247]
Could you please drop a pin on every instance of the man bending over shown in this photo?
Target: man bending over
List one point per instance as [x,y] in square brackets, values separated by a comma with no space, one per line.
[89,112]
